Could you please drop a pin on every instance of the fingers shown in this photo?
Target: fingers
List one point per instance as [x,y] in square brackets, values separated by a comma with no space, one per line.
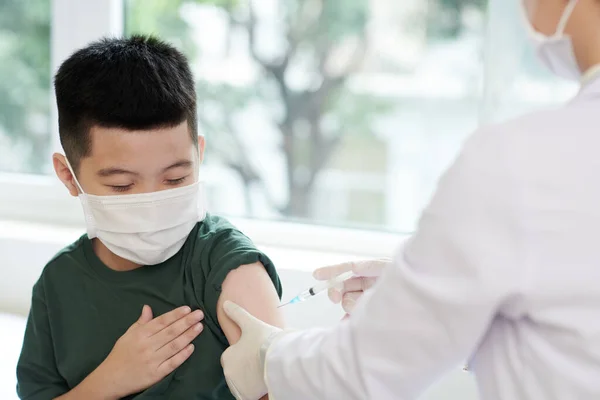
[160,323]
[357,284]
[369,268]
[332,271]
[227,363]
[240,316]
[176,329]
[335,295]
[234,390]
[171,364]
[349,301]
[176,345]
[146,315]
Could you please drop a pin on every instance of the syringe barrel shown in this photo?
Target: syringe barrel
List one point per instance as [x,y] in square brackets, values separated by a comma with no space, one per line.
[338,280]
[306,294]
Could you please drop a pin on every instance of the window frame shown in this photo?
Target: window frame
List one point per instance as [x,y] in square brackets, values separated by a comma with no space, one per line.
[74,23]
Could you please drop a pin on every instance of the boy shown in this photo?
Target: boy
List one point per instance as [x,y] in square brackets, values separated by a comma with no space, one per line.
[127,122]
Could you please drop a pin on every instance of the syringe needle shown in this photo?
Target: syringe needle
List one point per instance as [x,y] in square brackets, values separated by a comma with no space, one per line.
[318,288]
[284,304]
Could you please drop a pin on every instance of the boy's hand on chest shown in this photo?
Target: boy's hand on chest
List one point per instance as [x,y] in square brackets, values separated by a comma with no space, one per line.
[150,349]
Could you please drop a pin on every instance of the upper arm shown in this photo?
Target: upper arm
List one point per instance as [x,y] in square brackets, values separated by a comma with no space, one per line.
[251,287]
[234,269]
[37,374]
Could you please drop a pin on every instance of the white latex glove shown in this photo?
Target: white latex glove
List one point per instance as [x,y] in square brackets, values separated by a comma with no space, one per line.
[244,362]
[352,289]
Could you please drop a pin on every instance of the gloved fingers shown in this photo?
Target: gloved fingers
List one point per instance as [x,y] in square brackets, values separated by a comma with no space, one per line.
[335,294]
[358,284]
[332,271]
[349,301]
[239,315]
[371,268]
[232,388]
[236,368]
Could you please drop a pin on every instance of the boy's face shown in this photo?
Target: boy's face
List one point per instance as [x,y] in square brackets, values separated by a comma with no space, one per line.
[131,162]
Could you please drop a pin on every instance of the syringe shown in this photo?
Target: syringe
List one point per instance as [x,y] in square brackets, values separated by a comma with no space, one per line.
[318,288]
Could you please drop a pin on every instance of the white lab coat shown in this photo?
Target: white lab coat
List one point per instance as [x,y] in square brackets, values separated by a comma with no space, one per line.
[504,270]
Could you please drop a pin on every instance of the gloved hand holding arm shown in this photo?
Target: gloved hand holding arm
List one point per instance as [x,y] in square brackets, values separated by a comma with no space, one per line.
[246,358]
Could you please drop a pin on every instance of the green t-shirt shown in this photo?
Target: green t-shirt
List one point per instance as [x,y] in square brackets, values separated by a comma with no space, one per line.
[80,307]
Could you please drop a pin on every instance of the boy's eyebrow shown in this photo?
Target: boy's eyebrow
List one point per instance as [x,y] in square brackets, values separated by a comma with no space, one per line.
[105,172]
[110,171]
[179,164]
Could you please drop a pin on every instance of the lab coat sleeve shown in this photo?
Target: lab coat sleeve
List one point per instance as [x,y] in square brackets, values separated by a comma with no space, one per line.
[432,307]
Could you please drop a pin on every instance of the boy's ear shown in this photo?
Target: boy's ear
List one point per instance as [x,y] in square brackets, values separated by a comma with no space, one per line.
[201,146]
[64,173]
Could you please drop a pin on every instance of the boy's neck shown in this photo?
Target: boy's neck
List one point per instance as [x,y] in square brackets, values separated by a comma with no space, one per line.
[110,259]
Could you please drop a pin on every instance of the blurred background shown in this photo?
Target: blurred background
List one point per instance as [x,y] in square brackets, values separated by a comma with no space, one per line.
[328,122]
[324,111]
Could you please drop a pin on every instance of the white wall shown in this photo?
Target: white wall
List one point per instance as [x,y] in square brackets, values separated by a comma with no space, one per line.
[24,252]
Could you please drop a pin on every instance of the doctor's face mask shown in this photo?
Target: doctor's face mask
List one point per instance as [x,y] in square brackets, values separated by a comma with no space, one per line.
[140,192]
[555,50]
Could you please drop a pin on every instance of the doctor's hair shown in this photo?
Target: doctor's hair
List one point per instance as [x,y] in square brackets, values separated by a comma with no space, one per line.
[134,83]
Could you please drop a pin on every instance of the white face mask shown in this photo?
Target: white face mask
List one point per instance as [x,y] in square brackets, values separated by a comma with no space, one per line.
[556,51]
[146,228]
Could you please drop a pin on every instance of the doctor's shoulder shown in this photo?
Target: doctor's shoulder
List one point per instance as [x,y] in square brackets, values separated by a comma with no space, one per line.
[509,143]
[540,123]
[515,128]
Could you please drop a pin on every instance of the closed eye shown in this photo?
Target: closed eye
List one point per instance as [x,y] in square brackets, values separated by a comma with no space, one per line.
[122,188]
[175,182]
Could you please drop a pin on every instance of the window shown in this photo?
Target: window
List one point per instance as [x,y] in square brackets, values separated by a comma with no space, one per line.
[25,86]
[332,113]
[322,111]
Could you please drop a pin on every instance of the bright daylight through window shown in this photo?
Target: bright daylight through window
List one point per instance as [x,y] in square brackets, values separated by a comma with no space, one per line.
[25,86]
[329,112]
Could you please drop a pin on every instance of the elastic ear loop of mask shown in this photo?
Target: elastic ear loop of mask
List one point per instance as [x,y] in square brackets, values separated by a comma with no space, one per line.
[74,177]
[527,22]
[562,24]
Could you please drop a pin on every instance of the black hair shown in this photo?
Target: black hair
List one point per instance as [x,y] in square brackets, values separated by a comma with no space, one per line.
[132,83]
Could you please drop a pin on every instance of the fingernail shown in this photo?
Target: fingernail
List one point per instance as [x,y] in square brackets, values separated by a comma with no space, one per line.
[198,327]
[186,309]
[198,314]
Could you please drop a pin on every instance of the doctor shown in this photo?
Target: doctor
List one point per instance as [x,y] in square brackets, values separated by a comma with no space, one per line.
[503,270]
